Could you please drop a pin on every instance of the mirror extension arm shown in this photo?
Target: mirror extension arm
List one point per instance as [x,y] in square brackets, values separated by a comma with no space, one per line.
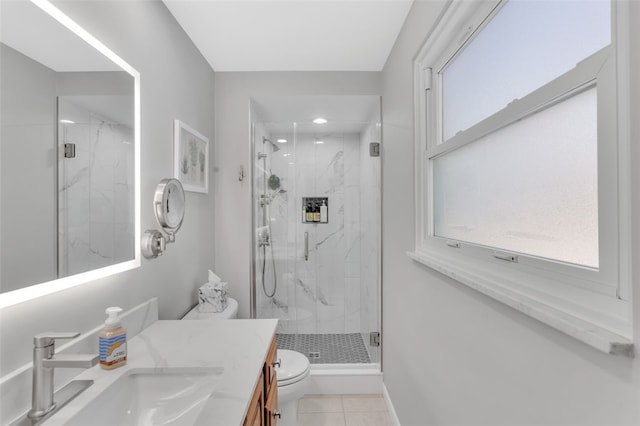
[168,206]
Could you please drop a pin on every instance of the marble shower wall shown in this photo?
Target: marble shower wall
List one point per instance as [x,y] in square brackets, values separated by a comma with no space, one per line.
[327,285]
[336,289]
[320,295]
[96,191]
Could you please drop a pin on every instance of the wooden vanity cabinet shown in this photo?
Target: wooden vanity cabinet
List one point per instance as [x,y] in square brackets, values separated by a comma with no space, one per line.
[255,413]
[263,409]
[271,413]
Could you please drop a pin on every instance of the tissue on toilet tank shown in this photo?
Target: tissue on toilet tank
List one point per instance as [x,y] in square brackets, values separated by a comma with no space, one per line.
[212,297]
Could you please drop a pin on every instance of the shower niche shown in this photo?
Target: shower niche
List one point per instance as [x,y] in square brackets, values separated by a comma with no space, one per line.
[315,190]
[315,209]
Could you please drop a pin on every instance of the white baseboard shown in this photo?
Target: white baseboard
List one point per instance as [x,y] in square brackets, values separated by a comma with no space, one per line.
[392,411]
[344,382]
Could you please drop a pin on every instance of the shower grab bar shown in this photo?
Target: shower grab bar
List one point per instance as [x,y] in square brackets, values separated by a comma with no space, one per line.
[306,246]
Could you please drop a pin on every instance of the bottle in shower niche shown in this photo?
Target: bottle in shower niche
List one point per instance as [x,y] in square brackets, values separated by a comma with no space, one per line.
[309,215]
[316,212]
[113,341]
[324,217]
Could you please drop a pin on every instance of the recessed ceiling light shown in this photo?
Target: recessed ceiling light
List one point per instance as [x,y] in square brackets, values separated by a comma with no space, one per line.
[282,141]
[286,155]
[319,142]
[320,120]
[67,122]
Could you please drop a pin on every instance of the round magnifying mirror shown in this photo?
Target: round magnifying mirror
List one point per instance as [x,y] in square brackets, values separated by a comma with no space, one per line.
[169,204]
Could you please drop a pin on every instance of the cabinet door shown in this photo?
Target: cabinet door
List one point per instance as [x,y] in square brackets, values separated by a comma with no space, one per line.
[270,368]
[255,413]
[257,420]
[271,414]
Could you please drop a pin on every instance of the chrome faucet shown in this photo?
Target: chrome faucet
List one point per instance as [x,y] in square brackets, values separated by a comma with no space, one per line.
[44,362]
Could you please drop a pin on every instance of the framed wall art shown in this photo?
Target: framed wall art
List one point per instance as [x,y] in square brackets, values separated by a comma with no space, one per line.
[191,158]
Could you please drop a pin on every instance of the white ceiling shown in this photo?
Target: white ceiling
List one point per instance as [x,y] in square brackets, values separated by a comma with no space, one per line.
[293,35]
[345,114]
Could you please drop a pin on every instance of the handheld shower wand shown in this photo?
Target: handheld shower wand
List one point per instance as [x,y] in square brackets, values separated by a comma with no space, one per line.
[265,239]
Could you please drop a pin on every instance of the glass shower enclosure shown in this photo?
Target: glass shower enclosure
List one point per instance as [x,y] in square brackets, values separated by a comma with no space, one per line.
[317,225]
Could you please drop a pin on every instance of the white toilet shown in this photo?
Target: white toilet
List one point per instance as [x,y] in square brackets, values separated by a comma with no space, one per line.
[230,312]
[292,373]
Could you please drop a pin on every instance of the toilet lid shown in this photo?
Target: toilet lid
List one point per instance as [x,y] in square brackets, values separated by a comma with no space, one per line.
[231,311]
[294,366]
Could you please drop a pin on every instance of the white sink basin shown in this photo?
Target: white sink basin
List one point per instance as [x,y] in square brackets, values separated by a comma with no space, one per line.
[170,396]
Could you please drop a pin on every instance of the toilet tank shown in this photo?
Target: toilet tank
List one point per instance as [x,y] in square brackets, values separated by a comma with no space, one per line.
[230,313]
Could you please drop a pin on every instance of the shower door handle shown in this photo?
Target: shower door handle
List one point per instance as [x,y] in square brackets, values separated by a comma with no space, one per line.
[306,246]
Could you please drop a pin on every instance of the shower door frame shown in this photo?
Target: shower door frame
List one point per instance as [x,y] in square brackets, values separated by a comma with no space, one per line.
[253,226]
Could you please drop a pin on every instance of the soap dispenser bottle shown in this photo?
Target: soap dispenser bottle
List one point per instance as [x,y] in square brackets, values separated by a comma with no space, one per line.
[113,341]
[324,218]
[309,212]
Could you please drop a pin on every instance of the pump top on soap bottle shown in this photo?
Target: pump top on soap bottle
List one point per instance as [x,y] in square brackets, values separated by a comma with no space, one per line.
[113,320]
[113,341]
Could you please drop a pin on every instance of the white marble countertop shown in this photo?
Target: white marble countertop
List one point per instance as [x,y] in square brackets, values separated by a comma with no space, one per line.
[238,346]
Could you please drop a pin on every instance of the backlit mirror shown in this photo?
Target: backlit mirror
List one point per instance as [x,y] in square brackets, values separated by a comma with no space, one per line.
[69,154]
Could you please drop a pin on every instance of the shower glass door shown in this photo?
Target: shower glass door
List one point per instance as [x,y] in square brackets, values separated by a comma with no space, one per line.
[95,182]
[316,193]
[275,243]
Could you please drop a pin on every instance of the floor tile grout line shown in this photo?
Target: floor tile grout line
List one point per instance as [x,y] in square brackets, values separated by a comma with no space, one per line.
[344,412]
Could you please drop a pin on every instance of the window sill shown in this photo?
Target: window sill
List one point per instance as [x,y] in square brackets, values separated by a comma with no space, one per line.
[534,305]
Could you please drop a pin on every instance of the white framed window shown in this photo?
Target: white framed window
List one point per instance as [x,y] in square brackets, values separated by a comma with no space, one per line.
[522,173]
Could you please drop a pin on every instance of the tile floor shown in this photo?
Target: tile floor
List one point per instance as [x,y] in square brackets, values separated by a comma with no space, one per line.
[343,410]
[342,348]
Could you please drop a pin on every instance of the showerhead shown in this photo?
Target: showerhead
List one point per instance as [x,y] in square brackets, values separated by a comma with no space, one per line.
[275,147]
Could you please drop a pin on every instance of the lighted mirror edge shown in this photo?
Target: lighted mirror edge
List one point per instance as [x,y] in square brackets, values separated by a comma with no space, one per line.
[32,292]
[28,293]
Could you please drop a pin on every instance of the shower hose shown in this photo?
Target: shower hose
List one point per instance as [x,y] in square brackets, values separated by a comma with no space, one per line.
[273,264]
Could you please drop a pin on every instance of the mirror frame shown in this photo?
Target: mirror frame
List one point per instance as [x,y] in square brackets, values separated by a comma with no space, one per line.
[37,290]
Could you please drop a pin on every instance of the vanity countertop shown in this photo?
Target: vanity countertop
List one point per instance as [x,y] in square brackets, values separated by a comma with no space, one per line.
[238,346]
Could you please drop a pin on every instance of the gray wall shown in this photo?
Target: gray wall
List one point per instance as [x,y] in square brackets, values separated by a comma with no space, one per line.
[455,357]
[176,83]
[28,170]
[233,208]
[112,83]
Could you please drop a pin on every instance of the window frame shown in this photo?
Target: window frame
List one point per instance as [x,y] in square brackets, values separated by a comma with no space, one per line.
[571,298]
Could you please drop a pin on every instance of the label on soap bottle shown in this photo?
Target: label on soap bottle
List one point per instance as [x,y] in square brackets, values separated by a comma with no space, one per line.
[113,349]
[316,213]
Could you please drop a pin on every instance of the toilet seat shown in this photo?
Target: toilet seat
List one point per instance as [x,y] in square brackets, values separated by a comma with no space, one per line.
[294,367]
